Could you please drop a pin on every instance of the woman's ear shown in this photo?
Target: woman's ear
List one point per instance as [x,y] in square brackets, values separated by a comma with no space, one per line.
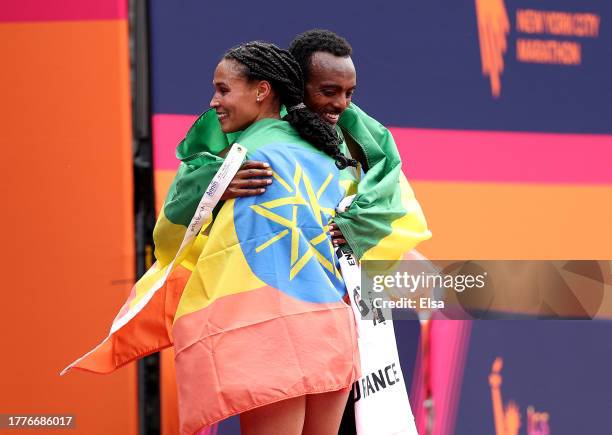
[263,90]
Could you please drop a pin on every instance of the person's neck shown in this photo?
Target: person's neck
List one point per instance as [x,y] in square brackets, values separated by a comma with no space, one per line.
[272,112]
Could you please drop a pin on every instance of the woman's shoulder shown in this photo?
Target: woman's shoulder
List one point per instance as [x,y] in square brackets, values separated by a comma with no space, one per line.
[269,131]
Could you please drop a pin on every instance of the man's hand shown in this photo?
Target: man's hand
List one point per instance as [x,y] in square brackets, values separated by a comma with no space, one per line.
[336,235]
[250,180]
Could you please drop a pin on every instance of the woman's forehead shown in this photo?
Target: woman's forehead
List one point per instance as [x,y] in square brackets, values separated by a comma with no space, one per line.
[228,70]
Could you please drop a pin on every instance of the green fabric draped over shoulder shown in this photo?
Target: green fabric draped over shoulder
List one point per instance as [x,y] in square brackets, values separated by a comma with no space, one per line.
[198,153]
[385,220]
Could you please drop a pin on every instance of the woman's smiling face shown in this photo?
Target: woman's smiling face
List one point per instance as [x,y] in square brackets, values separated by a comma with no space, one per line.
[235,98]
[330,85]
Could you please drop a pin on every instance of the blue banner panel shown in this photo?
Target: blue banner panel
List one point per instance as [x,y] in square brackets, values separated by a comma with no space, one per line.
[513,65]
[543,375]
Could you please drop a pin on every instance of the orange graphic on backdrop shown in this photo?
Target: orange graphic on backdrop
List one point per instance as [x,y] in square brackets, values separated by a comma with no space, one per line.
[493,28]
[508,419]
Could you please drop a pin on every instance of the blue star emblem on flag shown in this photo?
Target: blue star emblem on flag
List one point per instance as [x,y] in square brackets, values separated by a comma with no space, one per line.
[284,232]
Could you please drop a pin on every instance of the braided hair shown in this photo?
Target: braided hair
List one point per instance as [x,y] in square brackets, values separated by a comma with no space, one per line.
[312,41]
[264,61]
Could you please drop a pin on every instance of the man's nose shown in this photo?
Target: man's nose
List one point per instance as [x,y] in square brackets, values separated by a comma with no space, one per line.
[214,102]
[341,103]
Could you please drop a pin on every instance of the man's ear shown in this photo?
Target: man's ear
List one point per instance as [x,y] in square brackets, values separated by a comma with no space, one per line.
[263,90]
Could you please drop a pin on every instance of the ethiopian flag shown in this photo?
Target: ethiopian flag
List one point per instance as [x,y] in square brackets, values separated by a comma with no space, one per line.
[254,306]
[262,317]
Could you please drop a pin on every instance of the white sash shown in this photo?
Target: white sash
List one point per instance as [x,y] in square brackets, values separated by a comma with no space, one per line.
[381,399]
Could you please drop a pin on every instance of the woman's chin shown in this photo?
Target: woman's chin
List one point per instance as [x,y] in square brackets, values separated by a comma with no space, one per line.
[227,128]
[232,128]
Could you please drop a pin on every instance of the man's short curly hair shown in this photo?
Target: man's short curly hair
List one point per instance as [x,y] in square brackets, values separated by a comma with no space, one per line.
[306,44]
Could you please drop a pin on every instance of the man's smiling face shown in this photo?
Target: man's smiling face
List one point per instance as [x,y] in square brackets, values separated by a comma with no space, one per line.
[330,86]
